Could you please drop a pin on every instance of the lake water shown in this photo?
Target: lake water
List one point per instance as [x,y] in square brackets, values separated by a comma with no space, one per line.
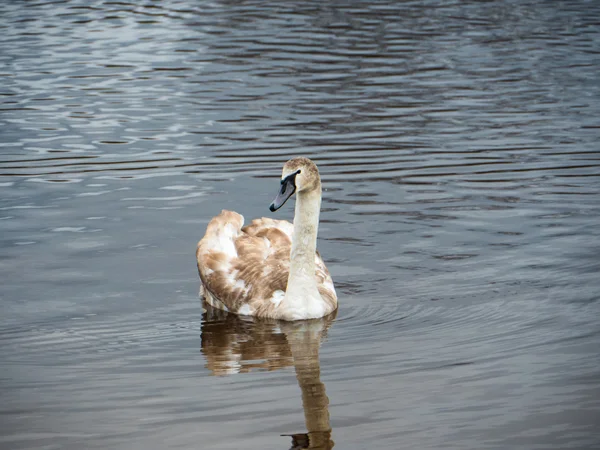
[459,148]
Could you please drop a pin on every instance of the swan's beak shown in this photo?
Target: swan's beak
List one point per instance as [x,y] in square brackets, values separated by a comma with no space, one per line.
[288,187]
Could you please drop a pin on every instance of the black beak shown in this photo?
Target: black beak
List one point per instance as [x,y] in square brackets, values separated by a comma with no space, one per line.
[288,187]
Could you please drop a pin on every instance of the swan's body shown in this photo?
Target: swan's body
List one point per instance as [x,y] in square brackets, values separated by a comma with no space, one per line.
[270,268]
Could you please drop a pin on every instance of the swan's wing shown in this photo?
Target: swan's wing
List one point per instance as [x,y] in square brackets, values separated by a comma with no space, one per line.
[242,269]
[264,223]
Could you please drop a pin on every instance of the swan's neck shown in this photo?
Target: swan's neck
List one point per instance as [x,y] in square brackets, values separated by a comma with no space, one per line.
[302,297]
[304,239]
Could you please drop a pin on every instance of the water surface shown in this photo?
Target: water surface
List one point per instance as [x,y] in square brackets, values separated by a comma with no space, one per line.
[458,145]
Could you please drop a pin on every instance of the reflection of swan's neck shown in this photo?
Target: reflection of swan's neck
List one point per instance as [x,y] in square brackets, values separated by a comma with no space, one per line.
[304,344]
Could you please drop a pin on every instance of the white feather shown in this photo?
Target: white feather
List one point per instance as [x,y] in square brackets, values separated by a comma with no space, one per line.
[245,310]
[277,297]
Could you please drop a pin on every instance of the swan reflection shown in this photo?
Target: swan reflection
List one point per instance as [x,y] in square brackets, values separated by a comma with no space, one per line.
[237,344]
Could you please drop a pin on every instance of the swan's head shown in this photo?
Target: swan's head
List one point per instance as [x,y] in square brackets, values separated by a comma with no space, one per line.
[298,175]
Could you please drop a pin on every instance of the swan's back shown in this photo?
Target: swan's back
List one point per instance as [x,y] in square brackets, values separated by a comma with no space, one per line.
[245,269]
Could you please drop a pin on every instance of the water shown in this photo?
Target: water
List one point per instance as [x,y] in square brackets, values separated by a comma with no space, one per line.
[458,144]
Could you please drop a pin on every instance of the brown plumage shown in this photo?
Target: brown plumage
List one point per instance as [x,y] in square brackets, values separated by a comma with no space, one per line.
[259,268]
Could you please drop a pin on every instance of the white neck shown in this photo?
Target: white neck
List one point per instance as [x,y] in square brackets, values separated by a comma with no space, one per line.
[304,239]
[302,298]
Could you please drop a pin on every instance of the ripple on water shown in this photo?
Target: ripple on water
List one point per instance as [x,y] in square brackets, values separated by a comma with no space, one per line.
[457,143]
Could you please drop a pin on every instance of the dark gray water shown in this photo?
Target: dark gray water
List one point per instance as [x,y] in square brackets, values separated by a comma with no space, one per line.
[459,148]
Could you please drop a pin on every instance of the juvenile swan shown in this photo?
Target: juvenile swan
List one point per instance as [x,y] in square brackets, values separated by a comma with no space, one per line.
[270,268]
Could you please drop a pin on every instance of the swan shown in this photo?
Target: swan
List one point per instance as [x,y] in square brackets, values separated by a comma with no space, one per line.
[270,268]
